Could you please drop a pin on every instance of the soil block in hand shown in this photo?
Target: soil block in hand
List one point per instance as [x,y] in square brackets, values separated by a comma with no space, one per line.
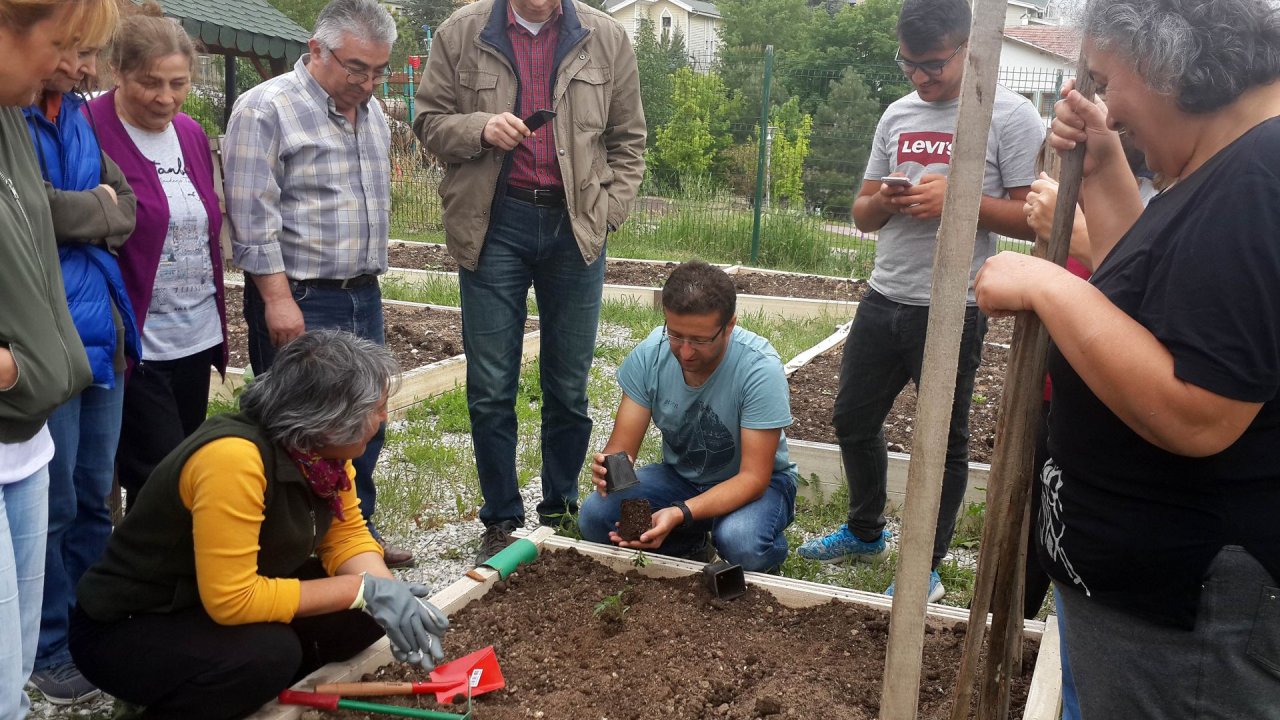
[636,517]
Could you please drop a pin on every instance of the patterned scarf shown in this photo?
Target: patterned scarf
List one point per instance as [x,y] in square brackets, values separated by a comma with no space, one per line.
[326,477]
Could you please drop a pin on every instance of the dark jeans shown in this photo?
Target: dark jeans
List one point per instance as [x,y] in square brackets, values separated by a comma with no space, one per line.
[884,350]
[164,402]
[357,311]
[184,665]
[530,245]
[1228,667]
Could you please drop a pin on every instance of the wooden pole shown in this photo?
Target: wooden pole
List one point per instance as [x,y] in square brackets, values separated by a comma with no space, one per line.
[999,578]
[951,267]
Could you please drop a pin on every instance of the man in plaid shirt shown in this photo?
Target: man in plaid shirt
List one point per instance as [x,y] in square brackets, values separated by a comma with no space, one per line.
[531,207]
[308,188]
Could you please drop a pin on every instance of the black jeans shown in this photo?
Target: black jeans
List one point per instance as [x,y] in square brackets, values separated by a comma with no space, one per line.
[884,350]
[184,665]
[164,402]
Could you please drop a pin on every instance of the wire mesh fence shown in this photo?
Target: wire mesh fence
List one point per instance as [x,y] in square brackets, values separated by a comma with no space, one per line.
[706,166]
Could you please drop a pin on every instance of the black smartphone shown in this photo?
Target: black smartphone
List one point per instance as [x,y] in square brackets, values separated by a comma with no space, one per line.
[538,119]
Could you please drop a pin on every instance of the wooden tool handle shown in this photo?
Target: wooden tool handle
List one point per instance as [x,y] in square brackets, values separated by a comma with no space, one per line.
[366,689]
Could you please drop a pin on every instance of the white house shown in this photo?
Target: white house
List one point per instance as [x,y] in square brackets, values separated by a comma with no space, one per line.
[1031,12]
[698,21]
[1034,60]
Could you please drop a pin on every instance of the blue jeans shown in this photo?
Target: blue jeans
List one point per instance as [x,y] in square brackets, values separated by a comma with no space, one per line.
[24,518]
[751,536]
[85,431]
[529,245]
[1070,703]
[355,310]
[885,349]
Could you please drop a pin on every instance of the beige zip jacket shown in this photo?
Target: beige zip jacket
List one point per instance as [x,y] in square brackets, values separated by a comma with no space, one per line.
[599,123]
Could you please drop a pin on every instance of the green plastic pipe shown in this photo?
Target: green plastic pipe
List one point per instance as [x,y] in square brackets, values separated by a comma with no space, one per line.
[518,553]
[325,701]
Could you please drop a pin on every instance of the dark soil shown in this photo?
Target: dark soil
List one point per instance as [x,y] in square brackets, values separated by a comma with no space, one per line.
[673,652]
[813,395]
[416,336]
[634,518]
[423,256]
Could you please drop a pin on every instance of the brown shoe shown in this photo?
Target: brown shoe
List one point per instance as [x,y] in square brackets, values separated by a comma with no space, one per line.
[495,538]
[396,557]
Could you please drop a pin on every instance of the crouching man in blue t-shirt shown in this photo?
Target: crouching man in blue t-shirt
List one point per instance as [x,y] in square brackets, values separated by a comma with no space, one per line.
[718,395]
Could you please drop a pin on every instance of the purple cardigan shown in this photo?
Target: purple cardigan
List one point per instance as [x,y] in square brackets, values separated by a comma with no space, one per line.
[140,256]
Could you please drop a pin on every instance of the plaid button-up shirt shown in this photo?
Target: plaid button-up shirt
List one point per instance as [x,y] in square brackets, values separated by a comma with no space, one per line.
[533,161]
[307,194]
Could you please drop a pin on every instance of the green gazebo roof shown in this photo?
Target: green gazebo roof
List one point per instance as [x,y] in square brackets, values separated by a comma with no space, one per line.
[240,27]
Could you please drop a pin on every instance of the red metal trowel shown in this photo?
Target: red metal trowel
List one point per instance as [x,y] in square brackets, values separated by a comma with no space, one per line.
[448,681]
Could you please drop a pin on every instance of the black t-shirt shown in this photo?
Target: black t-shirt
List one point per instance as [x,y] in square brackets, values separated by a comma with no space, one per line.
[1130,524]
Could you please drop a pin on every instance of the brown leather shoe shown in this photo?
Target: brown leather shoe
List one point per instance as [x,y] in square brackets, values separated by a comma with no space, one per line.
[396,557]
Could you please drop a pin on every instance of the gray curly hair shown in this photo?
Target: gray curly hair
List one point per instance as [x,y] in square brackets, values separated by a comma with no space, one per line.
[1204,53]
[321,389]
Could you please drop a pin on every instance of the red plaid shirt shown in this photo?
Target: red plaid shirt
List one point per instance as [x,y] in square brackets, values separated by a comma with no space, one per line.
[533,162]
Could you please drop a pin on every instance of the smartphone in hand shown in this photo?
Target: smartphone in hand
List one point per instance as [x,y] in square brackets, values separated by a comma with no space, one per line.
[538,119]
[898,180]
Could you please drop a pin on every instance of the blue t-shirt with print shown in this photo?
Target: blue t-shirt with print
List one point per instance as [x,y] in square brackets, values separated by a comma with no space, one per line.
[702,426]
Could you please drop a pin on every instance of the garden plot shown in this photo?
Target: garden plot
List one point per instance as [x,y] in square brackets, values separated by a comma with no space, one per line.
[592,635]
[786,294]
[426,341]
[814,379]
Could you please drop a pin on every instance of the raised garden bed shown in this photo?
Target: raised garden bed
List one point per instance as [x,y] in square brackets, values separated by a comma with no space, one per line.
[814,379]
[788,294]
[786,649]
[426,341]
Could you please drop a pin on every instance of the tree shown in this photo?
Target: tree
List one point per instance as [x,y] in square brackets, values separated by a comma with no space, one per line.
[864,36]
[303,12]
[428,12]
[698,130]
[757,23]
[788,153]
[657,58]
[844,127]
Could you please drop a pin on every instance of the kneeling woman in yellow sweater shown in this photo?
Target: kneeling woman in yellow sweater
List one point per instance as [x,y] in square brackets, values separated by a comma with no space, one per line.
[244,564]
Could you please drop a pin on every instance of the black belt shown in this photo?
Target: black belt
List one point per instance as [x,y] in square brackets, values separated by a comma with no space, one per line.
[358,281]
[545,197]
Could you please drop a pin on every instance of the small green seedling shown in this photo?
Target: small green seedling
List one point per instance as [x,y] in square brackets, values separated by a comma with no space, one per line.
[612,608]
[639,559]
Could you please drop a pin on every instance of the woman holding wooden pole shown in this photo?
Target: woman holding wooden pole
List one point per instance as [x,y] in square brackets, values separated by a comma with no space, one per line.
[1158,505]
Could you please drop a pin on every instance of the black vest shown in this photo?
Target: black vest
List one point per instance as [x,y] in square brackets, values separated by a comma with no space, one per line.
[149,565]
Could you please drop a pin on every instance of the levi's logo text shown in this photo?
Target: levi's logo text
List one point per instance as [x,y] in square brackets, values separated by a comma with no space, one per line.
[926,148]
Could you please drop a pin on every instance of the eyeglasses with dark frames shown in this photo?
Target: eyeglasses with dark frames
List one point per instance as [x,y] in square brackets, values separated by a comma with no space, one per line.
[357,76]
[676,340]
[931,68]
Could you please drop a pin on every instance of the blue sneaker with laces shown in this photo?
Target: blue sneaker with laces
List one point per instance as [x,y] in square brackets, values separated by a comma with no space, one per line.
[936,590]
[842,546]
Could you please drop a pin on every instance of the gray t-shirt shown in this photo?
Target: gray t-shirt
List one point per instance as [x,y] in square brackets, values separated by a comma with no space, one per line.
[702,426]
[914,137]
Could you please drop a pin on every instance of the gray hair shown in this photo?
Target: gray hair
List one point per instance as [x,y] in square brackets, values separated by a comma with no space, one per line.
[364,19]
[1204,53]
[320,390]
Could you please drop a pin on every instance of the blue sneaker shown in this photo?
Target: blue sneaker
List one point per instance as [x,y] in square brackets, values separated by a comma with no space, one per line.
[936,590]
[842,546]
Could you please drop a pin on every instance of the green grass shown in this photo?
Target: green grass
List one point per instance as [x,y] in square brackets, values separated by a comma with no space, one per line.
[430,289]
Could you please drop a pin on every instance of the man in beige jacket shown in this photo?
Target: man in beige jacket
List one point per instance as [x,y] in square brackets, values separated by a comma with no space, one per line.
[531,206]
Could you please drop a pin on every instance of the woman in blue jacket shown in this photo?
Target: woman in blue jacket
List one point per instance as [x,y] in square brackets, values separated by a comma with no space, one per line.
[93,214]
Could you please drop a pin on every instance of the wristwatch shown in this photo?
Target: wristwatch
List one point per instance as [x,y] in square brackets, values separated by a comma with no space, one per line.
[684,510]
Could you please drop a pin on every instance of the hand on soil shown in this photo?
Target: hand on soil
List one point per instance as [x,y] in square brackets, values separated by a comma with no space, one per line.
[664,521]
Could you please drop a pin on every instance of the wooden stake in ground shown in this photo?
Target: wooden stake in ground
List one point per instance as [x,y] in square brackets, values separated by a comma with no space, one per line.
[998,585]
[951,266]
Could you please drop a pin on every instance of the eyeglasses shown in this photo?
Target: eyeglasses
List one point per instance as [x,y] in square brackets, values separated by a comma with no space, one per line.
[931,68]
[357,75]
[676,340]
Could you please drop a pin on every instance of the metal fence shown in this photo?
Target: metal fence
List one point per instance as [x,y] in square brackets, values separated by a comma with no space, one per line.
[713,214]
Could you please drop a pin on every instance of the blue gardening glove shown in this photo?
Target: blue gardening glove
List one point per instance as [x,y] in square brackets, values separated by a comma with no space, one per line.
[414,627]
